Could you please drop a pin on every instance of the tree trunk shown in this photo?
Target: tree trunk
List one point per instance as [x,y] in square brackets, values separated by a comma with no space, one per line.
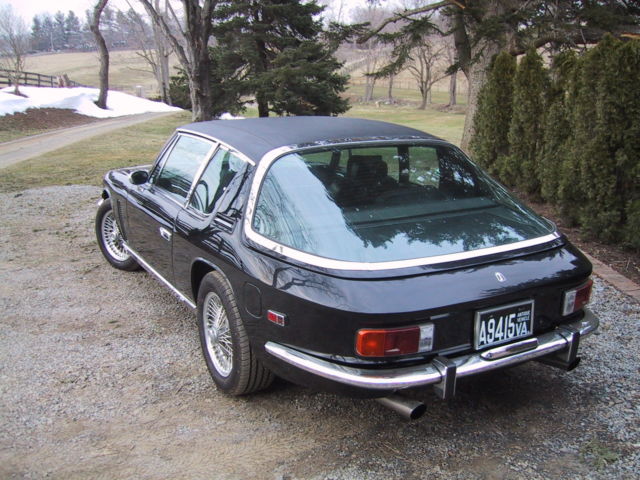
[200,94]
[453,89]
[424,93]
[193,52]
[390,91]
[475,60]
[368,89]
[162,56]
[104,53]
[166,79]
[263,105]
[476,79]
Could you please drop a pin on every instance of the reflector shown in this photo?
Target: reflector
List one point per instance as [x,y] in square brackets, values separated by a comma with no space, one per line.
[577,298]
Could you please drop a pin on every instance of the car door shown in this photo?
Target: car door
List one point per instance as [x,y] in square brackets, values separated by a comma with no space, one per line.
[203,226]
[153,206]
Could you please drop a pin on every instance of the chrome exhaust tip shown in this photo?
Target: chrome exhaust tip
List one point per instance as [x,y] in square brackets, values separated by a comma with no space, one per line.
[408,408]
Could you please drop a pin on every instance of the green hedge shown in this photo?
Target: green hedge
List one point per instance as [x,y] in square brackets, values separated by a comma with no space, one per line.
[573,135]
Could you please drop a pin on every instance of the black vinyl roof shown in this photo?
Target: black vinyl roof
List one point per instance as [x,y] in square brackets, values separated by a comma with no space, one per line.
[256,136]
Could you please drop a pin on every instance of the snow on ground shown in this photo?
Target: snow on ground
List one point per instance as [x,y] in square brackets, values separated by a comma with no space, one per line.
[79,99]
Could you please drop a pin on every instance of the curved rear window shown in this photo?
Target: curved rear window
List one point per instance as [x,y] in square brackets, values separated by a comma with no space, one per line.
[388,203]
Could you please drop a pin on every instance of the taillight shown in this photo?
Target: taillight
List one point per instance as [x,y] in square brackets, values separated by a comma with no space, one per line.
[576,298]
[387,342]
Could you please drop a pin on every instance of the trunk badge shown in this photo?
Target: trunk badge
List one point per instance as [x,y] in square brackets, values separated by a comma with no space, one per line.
[500,277]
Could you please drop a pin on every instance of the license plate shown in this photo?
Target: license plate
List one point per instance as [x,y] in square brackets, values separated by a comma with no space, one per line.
[502,324]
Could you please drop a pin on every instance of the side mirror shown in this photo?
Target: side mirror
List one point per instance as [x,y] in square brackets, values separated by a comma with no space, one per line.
[139,177]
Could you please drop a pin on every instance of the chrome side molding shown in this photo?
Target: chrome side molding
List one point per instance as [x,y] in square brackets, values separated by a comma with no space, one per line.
[162,280]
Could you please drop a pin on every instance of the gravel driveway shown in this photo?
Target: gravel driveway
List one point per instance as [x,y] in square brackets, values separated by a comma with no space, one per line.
[101,377]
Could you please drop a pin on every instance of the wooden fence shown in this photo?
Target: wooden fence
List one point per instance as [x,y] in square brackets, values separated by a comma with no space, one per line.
[34,79]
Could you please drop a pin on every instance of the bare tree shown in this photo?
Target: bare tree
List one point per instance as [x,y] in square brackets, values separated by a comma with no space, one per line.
[425,67]
[452,59]
[373,52]
[191,49]
[155,53]
[14,45]
[390,89]
[104,52]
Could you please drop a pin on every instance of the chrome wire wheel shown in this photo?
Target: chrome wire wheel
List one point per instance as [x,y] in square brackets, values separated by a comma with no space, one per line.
[112,238]
[218,334]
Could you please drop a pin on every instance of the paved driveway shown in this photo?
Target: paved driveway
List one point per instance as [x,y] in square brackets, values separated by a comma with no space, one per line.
[33,146]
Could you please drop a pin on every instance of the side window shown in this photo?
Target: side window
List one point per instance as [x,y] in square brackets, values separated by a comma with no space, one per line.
[183,162]
[424,167]
[214,180]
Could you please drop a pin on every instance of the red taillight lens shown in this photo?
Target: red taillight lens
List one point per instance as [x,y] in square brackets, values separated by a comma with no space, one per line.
[388,342]
[576,298]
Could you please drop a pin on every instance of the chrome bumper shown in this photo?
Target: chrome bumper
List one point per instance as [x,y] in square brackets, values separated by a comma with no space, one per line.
[559,348]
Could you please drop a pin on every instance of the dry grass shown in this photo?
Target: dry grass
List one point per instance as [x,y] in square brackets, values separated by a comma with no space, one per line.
[126,69]
[441,124]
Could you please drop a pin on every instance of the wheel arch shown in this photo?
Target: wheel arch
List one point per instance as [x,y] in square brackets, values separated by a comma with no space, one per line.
[199,269]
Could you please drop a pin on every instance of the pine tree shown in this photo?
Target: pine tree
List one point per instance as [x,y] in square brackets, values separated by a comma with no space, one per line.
[48,31]
[226,73]
[628,66]
[490,144]
[72,27]
[289,68]
[39,41]
[59,32]
[525,132]
[557,126]
[598,129]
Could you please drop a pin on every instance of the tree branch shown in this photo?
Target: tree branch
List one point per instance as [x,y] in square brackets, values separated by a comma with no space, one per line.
[408,13]
[159,20]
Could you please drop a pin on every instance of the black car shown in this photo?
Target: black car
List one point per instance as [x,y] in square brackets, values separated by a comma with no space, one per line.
[348,255]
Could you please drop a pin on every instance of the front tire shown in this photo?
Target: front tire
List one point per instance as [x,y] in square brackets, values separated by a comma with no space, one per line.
[233,365]
[110,239]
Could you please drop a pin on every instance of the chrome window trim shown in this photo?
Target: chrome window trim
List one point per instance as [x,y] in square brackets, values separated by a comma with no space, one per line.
[200,172]
[162,157]
[240,155]
[196,175]
[324,262]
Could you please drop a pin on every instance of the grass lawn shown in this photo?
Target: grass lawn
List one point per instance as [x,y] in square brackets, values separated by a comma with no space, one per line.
[87,161]
[126,69]
[406,94]
[441,124]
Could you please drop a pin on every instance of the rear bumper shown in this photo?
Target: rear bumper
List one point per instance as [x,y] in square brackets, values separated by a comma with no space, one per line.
[559,348]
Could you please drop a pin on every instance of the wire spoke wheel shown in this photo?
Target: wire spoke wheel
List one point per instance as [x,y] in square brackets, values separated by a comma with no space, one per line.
[218,334]
[233,365]
[112,238]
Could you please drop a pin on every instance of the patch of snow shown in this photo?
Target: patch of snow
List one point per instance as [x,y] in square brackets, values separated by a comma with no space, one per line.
[228,116]
[79,99]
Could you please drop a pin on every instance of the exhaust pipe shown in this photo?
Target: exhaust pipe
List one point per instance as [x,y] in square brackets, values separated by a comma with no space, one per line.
[408,408]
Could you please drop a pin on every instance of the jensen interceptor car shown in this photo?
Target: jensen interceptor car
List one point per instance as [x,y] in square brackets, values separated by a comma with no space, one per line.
[348,255]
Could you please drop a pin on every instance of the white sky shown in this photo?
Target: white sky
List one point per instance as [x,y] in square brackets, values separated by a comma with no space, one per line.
[28,8]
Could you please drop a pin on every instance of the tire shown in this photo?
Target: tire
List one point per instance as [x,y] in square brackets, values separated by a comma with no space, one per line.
[233,365]
[110,239]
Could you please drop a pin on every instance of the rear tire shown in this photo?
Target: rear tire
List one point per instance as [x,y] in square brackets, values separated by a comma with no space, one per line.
[110,239]
[232,363]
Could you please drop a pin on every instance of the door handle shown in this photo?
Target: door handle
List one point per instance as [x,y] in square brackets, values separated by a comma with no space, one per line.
[166,234]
